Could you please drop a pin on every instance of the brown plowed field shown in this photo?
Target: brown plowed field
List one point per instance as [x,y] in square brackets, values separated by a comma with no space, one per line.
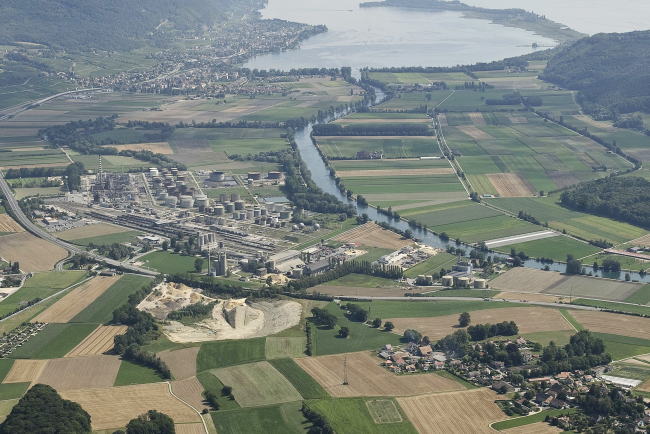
[98,342]
[368,378]
[81,372]
[23,371]
[7,224]
[156,148]
[453,413]
[475,133]
[76,300]
[528,319]
[395,172]
[514,119]
[477,118]
[442,119]
[373,235]
[114,407]
[182,363]
[190,390]
[33,254]
[612,323]
[190,428]
[90,231]
[511,185]
[533,428]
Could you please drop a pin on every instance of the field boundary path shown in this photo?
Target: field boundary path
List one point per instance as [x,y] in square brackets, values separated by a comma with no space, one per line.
[205,427]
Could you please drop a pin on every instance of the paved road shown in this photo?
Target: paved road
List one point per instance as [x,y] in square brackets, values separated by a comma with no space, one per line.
[35,230]
[25,106]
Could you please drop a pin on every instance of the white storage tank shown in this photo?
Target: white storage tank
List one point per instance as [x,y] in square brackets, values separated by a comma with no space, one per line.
[285,214]
[294,228]
[153,171]
[201,200]
[230,208]
[297,273]
[171,201]
[163,196]
[480,283]
[217,176]
[262,212]
[447,280]
[316,226]
[242,216]
[249,214]
[256,212]
[239,205]
[270,206]
[187,201]
[301,225]
[235,197]
[223,198]
[463,282]
[219,210]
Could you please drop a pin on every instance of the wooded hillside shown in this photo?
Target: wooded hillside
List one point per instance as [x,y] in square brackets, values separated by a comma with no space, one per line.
[611,71]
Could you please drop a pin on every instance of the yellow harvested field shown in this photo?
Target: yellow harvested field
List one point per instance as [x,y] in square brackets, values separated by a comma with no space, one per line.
[190,428]
[533,428]
[442,119]
[477,118]
[528,319]
[613,323]
[643,387]
[23,371]
[515,119]
[475,133]
[90,231]
[81,372]
[182,363]
[76,300]
[395,172]
[114,407]
[528,297]
[373,235]
[526,280]
[156,148]
[600,125]
[368,378]
[98,342]
[7,224]
[643,241]
[511,185]
[33,254]
[465,412]
[190,390]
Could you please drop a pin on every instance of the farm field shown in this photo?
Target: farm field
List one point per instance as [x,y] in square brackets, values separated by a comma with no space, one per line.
[362,415]
[131,374]
[281,347]
[89,231]
[221,354]
[77,300]
[555,248]
[101,309]
[190,390]
[98,342]
[115,407]
[277,419]
[412,100]
[361,280]
[54,341]
[42,158]
[33,254]
[631,308]
[528,280]
[367,378]
[8,225]
[80,372]
[257,384]
[508,426]
[454,412]
[169,262]
[389,146]
[6,407]
[120,237]
[303,382]
[623,347]
[528,319]
[425,309]
[212,384]
[182,362]
[360,291]
[611,323]
[581,225]
[642,296]
[371,234]
[25,371]
[13,390]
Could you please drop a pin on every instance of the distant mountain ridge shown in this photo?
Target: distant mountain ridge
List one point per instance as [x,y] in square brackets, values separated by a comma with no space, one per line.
[102,24]
[611,71]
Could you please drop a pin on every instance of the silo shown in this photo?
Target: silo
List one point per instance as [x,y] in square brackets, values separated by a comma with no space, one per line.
[219,210]
[275,175]
[217,176]
[255,176]
[447,280]
[239,204]
[480,283]
[297,273]
[223,198]
[429,280]
[463,282]
[201,200]
[230,208]
[171,201]
[235,197]
[187,201]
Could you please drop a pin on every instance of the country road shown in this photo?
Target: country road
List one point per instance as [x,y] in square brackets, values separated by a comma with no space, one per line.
[35,230]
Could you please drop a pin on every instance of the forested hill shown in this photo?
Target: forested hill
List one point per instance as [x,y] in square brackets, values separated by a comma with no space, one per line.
[103,24]
[611,71]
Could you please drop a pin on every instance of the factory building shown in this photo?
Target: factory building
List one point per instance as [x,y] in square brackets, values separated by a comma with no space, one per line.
[221,264]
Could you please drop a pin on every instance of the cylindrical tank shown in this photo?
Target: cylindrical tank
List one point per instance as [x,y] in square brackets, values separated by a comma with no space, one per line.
[250,181]
[242,216]
[217,176]
[235,197]
[201,200]
[316,226]
[256,212]
[269,220]
[180,183]
[429,279]
[297,273]
[153,171]
[255,176]
[270,206]
[219,210]
[249,213]
[285,214]
[187,201]
[262,212]
[239,205]
[221,222]
[480,283]
[230,207]
[174,171]
[163,196]
[223,198]
[275,175]
[274,220]
[463,282]
[171,201]
[181,178]
[447,280]
[271,264]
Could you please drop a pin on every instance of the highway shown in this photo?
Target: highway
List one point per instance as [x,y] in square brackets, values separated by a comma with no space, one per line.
[35,230]
[7,114]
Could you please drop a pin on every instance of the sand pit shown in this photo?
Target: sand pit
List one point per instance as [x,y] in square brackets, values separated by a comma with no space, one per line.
[235,319]
[475,133]
[33,254]
[7,224]
[182,363]
[168,297]
[373,235]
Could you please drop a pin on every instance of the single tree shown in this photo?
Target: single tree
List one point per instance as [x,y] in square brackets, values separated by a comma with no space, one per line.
[464,319]
[152,422]
[376,323]
[411,335]
[388,326]
[198,264]
[226,390]
[165,246]
[344,332]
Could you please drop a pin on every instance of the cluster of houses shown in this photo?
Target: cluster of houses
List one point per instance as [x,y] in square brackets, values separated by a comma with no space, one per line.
[19,336]
[411,358]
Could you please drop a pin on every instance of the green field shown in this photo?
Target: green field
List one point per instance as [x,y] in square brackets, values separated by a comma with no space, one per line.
[470,293]
[403,184]
[121,237]
[26,158]
[567,314]
[212,384]
[279,419]
[545,338]
[527,420]
[622,347]
[170,263]
[631,308]
[281,347]
[362,281]
[13,390]
[101,309]
[131,373]
[54,341]
[374,253]
[5,367]
[351,416]
[422,309]
[627,263]
[412,100]
[302,381]
[6,407]
[555,248]
[392,147]
[41,285]
[642,296]
[228,353]
[431,265]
